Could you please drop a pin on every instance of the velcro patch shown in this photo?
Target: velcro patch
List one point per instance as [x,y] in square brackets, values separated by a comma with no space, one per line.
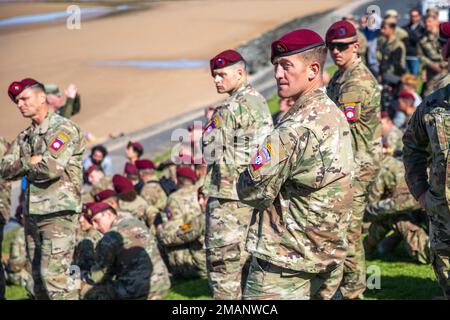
[58,144]
[214,123]
[262,157]
[350,111]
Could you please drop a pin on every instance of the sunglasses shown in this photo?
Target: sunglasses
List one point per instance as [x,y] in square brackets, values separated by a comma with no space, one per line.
[339,46]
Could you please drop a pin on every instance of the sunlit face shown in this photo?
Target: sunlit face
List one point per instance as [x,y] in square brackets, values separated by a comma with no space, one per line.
[227,79]
[342,53]
[431,24]
[95,177]
[131,154]
[103,221]
[291,74]
[30,101]
[85,225]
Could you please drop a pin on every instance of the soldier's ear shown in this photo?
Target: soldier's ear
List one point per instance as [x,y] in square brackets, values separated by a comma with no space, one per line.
[356,47]
[313,70]
[42,97]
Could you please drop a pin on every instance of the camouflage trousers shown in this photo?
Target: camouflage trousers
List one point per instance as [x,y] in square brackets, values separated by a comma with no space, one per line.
[22,279]
[267,281]
[50,242]
[439,215]
[2,272]
[415,237]
[227,223]
[186,261]
[354,278]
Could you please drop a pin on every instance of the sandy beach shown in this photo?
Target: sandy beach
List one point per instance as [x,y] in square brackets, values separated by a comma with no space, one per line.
[124,99]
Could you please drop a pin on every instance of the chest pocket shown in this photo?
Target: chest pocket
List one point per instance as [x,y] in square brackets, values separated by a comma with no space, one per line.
[440,139]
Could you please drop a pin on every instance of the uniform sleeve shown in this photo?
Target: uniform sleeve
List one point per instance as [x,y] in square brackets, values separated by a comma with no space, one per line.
[60,149]
[216,131]
[105,253]
[423,58]
[15,163]
[415,154]
[261,182]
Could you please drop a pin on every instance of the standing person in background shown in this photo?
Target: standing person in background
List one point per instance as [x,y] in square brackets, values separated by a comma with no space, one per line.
[5,208]
[416,31]
[66,106]
[429,52]
[355,91]
[237,126]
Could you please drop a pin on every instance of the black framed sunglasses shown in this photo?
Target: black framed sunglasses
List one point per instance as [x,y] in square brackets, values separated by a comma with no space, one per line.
[339,45]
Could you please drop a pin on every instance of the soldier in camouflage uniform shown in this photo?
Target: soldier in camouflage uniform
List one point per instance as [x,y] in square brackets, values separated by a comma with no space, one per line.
[237,126]
[128,198]
[391,53]
[18,268]
[98,182]
[127,261]
[86,239]
[5,207]
[151,190]
[183,229]
[392,207]
[67,106]
[355,91]
[300,183]
[49,154]
[392,136]
[435,65]
[427,137]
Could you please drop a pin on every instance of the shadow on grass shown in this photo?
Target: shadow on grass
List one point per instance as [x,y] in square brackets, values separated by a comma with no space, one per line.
[404,287]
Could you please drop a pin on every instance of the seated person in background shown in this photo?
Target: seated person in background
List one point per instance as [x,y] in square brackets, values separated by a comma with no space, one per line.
[127,262]
[182,229]
[392,136]
[405,110]
[99,156]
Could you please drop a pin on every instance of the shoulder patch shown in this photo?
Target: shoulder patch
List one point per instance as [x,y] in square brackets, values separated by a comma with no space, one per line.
[214,123]
[350,111]
[262,157]
[58,144]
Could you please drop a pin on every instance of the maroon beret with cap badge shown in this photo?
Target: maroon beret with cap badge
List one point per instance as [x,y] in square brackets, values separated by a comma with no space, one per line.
[295,42]
[16,87]
[340,30]
[225,59]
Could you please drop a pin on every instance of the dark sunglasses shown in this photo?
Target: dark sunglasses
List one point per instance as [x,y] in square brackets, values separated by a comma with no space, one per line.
[339,46]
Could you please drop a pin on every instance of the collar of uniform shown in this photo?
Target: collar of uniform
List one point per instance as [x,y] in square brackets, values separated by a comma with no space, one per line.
[304,99]
[350,68]
[43,127]
[240,89]
[151,177]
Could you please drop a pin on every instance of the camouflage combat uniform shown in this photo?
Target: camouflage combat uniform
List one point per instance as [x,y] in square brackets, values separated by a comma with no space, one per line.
[429,54]
[127,264]
[391,206]
[18,268]
[428,137]
[393,139]
[138,207]
[84,252]
[392,57]
[355,91]
[182,234]
[300,184]
[5,207]
[156,198]
[52,200]
[245,115]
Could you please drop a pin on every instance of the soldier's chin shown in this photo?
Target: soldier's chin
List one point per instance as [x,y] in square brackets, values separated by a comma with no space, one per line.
[283,92]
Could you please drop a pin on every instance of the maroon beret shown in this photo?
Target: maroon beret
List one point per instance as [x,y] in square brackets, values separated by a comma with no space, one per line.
[16,87]
[340,30]
[130,168]
[105,194]
[384,115]
[444,31]
[144,164]
[405,95]
[98,207]
[295,42]
[225,59]
[136,145]
[122,184]
[91,169]
[186,172]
